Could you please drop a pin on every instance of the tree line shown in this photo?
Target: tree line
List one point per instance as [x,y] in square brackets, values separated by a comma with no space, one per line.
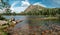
[48,11]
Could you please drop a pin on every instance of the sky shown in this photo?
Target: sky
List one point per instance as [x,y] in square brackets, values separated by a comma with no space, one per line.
[20,5]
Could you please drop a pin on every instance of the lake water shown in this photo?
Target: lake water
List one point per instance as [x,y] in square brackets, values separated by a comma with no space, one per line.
[21,24]
[34,23]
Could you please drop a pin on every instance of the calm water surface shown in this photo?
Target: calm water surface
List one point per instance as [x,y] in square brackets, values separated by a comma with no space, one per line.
[34,21]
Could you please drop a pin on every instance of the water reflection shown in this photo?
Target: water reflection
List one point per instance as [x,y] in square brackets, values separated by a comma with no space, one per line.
[33,25]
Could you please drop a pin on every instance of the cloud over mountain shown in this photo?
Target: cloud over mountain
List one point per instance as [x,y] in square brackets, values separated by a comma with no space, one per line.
[24,5]
[39,4]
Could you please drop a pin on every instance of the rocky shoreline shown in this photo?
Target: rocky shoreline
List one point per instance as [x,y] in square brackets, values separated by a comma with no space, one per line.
[6,26]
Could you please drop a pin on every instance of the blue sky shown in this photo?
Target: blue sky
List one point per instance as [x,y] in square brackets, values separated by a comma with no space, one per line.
[20,5]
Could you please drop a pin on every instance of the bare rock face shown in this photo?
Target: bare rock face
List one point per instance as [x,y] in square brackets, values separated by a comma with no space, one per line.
[34,7]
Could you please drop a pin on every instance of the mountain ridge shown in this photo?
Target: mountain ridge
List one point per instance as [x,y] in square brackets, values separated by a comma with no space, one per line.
[34,7]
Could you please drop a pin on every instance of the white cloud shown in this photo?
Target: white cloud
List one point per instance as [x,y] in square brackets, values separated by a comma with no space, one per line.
[39,4]
[24,5]
[12,6]
[19,9]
